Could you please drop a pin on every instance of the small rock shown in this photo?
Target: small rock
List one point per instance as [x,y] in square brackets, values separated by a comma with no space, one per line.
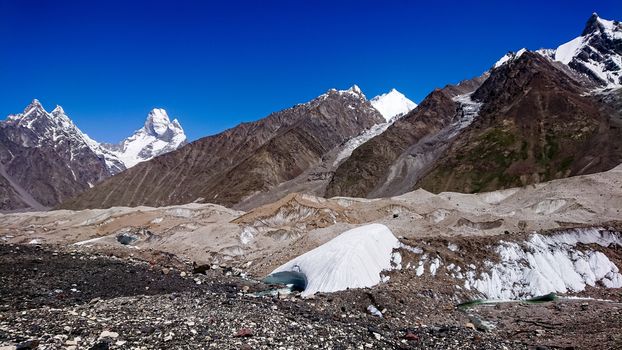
[244,332]
[411,336]
[183,274]
[108,334]
[165,271]
[470,325]
[27,345]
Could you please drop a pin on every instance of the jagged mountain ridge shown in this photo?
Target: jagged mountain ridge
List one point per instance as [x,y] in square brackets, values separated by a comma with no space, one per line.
[397,161]
[239,162]
[45,158]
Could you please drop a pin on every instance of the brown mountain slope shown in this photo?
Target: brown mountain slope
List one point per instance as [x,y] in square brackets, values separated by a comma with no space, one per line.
[537,124]
[251,157]
[44,160]
[366,173]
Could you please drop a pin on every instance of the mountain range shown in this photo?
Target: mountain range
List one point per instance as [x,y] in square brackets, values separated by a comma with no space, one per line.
[46,158]
[533,116]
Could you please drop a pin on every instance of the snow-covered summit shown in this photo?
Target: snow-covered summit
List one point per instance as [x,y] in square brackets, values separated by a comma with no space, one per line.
[354,90]
[597,52]
[509,57]
[158,123]
[392,104]
[159,135]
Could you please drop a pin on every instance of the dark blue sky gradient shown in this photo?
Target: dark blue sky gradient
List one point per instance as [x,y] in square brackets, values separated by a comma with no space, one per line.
[215,64]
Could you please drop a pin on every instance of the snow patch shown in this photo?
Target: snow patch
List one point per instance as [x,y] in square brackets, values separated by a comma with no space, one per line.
[357,141]
[247,235]
[354,259]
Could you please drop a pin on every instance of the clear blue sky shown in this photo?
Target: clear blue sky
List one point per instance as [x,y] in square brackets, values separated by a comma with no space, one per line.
[214,64]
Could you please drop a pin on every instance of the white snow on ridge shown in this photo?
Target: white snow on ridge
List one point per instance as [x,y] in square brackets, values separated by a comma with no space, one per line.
[354,259]
[392,104]
[357,141]
[566,52]
[508,57]
[608,66]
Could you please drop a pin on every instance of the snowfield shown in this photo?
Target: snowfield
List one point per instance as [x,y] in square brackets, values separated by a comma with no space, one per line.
[354,259]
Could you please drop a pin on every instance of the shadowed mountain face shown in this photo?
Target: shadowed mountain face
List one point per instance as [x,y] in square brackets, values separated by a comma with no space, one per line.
[236,163]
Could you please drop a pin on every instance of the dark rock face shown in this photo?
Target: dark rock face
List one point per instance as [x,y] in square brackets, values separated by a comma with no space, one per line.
[251,157]
[44,160]
[536,125]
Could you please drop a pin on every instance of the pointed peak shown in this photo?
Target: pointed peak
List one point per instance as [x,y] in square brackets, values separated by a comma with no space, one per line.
[355,88]
[157,122]
[158,114]
[392,104]
[508,57]
[58,110]
[596,24]
[35,105]
[593,25]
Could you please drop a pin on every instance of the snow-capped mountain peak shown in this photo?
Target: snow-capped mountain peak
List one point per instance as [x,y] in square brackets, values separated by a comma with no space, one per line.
[157,122]
[597,52]
[354,90]
[392,104]
[599,25]
[159,135]
[508,57]
[58,110]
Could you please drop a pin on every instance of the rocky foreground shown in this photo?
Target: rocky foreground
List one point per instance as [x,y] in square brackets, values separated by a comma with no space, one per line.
[55,298]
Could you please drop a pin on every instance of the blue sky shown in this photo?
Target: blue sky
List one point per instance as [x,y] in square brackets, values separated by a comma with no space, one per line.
[214,64]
